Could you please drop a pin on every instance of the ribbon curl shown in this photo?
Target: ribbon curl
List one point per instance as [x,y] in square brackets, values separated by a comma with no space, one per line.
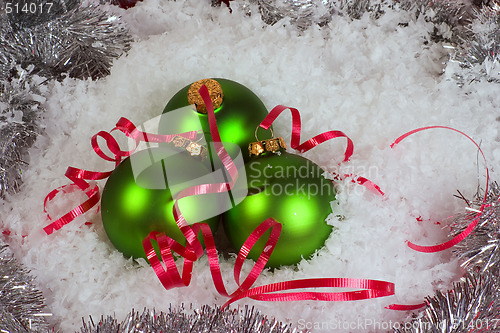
[79,177]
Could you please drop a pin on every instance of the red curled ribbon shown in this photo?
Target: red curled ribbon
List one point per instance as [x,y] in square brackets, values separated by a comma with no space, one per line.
[296,129]
[460,237]
[79,177]
[370,289]
[403,307]
[170,276]
[457,239]
[317,140]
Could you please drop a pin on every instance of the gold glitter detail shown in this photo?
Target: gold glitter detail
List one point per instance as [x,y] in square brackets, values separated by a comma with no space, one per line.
[273,145]
[214,89]
[282,142]
[204,153]
[255,148]
[194,148]
[179,141]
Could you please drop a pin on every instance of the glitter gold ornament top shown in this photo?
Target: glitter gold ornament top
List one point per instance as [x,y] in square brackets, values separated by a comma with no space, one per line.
[214,89]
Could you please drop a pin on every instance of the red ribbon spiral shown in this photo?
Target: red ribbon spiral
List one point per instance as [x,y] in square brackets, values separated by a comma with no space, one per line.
[79,177]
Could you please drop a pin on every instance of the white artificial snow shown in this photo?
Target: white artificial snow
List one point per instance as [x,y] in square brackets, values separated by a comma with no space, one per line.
[373,80]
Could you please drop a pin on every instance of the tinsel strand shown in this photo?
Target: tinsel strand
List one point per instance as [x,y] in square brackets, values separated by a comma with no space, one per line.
[481,250]
[22,306]
[179,320]
[302,13]
[478,52]
[52,39]
[473,305]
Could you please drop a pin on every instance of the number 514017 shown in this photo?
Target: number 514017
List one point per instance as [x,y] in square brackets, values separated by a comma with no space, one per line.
[28,8]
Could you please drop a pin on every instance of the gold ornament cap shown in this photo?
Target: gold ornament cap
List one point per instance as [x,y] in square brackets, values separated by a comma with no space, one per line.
[193,148]
[214,89]
[272,145]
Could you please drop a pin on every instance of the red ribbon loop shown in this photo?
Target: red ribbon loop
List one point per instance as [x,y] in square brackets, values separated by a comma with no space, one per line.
[371,289]
[169,276]
[94,197]
[317,140]
[400,307]
[457,239]
[263,258]
[460,237]
[79,177]
[296,130]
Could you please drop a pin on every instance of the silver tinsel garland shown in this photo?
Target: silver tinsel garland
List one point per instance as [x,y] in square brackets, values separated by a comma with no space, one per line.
[473,306]
[481,250]
[22,306]
[178,320]
[478,53]
[302,13]
[21,101]
[65,38]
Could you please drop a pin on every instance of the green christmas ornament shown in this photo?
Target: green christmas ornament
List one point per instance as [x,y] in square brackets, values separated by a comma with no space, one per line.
[138,198]
[292,190]
[237,110]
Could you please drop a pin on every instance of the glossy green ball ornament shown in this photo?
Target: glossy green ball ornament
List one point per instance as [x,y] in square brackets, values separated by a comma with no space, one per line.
[238,111]
[292,190]
[137,198]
